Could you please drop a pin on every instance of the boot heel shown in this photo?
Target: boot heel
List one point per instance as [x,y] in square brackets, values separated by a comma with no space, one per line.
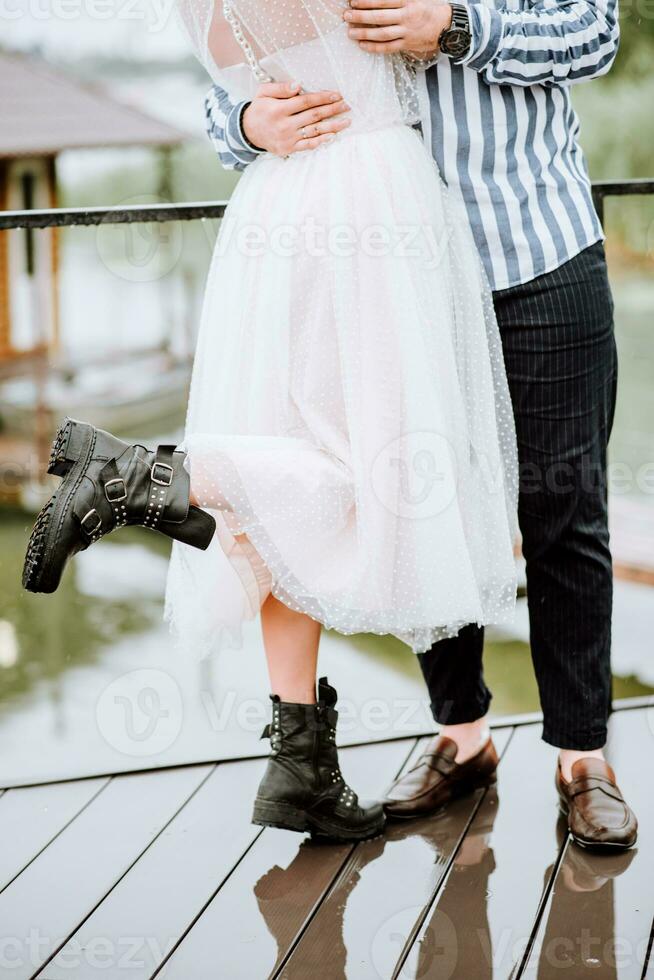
[197,530]
[270,814]
[69,443]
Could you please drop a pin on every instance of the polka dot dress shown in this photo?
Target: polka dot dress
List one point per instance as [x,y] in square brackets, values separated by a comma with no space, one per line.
[349,421]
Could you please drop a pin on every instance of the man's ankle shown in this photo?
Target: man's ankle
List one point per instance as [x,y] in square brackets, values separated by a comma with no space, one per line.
[470,737]
[568,757]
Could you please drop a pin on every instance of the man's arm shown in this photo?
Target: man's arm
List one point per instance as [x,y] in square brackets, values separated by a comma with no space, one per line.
[223,120]
[548,42]
[281,119]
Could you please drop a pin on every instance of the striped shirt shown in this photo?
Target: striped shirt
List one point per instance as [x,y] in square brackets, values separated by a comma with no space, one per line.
[502,129]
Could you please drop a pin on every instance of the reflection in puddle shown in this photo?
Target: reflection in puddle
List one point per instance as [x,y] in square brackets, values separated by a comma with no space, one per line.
[580,934]
[403,899]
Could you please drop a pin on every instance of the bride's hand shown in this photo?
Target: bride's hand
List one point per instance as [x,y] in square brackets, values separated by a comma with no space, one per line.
[283,119]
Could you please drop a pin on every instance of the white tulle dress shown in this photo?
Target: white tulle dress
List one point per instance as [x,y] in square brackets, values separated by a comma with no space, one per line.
[349,410]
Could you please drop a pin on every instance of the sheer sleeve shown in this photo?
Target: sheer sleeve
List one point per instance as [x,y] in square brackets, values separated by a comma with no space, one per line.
[225,33]
[277,39]
[211,35]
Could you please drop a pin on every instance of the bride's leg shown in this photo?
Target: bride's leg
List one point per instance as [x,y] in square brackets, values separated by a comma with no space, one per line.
[291,640]
[302,788]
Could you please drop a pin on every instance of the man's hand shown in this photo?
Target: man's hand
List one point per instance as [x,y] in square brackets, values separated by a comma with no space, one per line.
[413,26]
[282,119]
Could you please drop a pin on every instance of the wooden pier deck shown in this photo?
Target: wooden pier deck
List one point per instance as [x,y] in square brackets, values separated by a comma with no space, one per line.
[160,873]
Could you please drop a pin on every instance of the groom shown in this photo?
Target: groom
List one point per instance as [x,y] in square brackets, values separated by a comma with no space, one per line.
[498,117]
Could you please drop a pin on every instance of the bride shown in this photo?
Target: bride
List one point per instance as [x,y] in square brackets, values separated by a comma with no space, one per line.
[349,458]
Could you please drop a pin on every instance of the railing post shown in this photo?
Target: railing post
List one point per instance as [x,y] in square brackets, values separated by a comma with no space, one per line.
[598,200]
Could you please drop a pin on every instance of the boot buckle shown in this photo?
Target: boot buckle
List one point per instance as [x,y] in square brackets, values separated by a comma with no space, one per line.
[91,530]
[162,474]
[120,492]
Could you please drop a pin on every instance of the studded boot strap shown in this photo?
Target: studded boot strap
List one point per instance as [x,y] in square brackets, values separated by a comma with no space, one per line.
[273,731]
[161,478]
[117,508]
[328,718]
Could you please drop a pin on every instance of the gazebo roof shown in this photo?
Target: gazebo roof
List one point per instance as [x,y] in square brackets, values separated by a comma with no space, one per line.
[44,111]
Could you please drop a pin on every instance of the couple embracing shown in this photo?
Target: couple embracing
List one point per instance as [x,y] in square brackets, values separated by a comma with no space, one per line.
[368,426]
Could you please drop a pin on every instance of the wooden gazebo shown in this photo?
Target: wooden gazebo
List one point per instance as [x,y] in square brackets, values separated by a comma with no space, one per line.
[42,113]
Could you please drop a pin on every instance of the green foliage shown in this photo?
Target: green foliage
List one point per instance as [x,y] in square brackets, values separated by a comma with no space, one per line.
[617,133]
[617,129]
[637,39]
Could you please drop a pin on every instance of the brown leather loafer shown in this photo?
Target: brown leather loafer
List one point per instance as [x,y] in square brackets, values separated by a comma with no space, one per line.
[598,816]
[437,778]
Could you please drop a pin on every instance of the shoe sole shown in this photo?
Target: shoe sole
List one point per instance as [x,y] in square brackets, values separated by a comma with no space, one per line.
[286,817]
[598,845]
[465,789]
[71,451]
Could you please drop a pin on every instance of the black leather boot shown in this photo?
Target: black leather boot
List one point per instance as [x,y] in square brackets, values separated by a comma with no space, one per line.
[106,484]
[302,788]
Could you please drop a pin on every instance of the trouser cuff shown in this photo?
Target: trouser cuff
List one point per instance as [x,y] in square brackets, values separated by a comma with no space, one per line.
[576,741]
[460,712]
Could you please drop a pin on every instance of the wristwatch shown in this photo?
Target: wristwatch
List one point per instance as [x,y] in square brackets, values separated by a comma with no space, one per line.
[456,39]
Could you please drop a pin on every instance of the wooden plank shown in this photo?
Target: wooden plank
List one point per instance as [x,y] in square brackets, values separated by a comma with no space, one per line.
[253,920]
[31,818]
[648,973]
[484,913]
[361,927]
[47,902]
[143,917]
[599,914]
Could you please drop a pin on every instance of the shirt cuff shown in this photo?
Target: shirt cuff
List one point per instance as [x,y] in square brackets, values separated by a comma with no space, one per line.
[235,138]
[486,30]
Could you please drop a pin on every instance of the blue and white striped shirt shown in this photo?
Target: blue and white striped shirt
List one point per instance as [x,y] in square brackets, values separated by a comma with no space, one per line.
[502,129]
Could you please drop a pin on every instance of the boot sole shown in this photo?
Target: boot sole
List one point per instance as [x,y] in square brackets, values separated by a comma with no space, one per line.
[71,450]
[66,447]
[287,817]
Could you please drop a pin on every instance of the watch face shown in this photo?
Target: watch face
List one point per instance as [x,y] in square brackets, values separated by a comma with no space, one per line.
[456,43]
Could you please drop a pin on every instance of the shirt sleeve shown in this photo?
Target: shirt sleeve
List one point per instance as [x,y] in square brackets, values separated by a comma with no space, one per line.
[223,120]
[545,42]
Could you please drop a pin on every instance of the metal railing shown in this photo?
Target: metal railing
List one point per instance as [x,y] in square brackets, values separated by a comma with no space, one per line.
[70,217]
[141,213]
[619,188]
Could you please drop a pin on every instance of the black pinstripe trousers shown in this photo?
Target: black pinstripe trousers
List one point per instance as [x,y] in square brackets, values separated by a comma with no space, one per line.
[559,348]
